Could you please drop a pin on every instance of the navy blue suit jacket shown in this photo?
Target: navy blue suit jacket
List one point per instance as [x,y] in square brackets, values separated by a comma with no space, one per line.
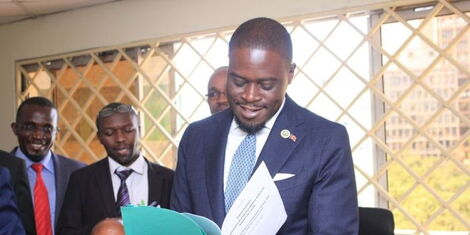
[320,199]
[20,185]
[10,222]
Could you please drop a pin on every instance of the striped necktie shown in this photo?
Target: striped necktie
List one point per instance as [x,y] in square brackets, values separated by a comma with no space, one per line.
[123,193]
[241,168]
[42,214]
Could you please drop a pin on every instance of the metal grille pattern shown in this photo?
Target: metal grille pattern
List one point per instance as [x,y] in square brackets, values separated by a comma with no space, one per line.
[396,76]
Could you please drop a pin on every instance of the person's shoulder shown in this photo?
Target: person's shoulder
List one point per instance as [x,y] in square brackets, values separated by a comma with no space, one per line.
[69,162]
[5,154]
[162,170]
[88,170]
[14,164]
[213,120]
[7,158]
[314,121]
[209,125]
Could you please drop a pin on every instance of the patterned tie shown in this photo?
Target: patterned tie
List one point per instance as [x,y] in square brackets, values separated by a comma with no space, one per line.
[240,170]
[42,214]
[123,193]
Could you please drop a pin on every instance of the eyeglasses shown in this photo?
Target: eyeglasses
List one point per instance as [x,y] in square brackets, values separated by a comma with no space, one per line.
[30,128]
[215,94]
[122,108]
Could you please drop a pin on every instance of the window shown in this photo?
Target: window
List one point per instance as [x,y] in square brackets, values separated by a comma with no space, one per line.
[384,83]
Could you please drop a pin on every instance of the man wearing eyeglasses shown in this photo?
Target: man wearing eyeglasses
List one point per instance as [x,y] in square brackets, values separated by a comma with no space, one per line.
[48,173]
[216,96]
[125,177]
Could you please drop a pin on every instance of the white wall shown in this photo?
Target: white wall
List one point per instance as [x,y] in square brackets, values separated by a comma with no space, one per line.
[128,21]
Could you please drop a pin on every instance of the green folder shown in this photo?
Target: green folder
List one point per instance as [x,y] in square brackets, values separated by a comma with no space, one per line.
[147,220]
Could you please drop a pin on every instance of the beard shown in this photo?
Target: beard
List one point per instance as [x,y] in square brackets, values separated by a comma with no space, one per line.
[250,129]
[36,157]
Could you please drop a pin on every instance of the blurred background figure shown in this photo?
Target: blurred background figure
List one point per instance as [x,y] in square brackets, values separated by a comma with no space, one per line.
[216,96]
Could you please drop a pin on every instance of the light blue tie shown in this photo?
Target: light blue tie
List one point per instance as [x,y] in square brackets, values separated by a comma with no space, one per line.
[240,170]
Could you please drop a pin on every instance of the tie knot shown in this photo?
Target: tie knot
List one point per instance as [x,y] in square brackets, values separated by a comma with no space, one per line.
[123,174]
[37,167]
[251,137]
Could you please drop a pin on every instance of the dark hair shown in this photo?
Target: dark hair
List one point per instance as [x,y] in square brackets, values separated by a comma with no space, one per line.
[37,100]
[263,33]
[112,108]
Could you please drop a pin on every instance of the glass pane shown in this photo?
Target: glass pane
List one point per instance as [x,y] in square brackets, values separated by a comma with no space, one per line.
[427,125]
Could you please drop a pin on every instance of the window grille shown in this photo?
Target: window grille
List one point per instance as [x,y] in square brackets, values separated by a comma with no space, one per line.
[396,76]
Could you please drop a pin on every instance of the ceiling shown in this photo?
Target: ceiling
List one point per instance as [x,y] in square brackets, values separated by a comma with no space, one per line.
[16,10]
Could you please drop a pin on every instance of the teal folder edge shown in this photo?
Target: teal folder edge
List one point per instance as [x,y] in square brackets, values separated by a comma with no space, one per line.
[208,226]
[147,220]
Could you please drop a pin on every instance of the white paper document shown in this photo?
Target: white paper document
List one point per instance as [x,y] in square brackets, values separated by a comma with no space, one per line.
[258,209]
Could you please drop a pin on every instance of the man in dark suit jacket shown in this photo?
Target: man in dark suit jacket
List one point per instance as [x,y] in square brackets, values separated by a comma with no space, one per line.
[36,129]
[20,185]
[96,192]
[10,222]
[308,156]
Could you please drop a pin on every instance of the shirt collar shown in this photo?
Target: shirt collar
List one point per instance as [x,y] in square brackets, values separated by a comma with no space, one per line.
[47,162]
[267,126]
[138,166]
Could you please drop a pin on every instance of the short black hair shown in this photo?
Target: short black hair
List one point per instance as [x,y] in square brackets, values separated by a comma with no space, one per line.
[114,108]
[37,100]
[263,33]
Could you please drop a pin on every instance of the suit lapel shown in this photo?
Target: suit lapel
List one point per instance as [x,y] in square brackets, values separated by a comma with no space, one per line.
[275,152]
[60,184]
[277,149]
[155,184]
[214,163]
[105,186]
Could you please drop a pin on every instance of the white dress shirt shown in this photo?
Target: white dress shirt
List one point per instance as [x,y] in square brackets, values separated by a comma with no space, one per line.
[236,136]
[137,182]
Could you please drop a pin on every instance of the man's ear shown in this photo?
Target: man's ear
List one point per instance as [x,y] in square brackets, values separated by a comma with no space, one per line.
[13,128]
[291,72]
[99,136]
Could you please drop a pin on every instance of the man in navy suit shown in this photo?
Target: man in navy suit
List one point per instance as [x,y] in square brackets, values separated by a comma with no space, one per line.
[10,222]
[36,130]
[308,156]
